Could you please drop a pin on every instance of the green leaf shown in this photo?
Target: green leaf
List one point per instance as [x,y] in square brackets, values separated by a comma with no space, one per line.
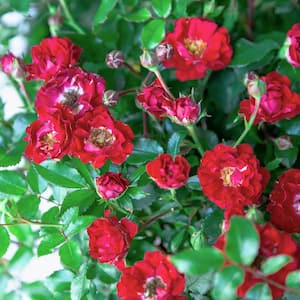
[198,240]
[11,155]
[28,206]
[180,8]
[69,216]
[105,7]
[51,216]
[174,142]
[20,259]
[242,241]
[162,8]
[36,182]
[20,5]
[78,285]
[274,164]
[288,70]
[70,255]
[290,126]
[107,273]
[246,52]
[83,171]
[199,285]
[12,183]
[79,224]
[226,283]
[275,263]
[49,242]
[177,240]
[193,183]
[140,15]
[60,174]
[5,240]
[152,33]
[293,280]
[136,175]
[198,262]
[259,291]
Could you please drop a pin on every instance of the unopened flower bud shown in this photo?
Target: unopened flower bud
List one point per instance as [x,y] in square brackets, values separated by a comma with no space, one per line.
[110,98]
[149,60]
[256,87]
[164,52]
[55,20]
[12,65]
[114,59]
[284,142]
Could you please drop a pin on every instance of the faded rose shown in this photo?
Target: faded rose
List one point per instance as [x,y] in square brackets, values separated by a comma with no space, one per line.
[169,173]
[12,65]
[272,242]
[98,137]
[232,177]
[49,138]
[293,51]
[75,89]
[154,99]
[109,239]
[155,277]
[51,56]
[278,102]
[284,206]
[111,185]
[199,45]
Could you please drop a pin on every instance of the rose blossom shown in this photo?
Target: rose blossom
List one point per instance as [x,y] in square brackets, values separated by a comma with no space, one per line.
[278,102]
[154,99]
[98,137]
[284,206]
[199,44]
[74,89]
[111,185]
[232,176]
[169,173]
[293,51]
[49,138]
[109,239]
[272,242]
[12,65]
[183,111]
[155,277]
[51,56]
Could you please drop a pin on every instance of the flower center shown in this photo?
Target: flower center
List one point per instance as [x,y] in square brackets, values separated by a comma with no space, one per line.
[101,137]
[150,288]
[232,177]
[195,47]
[48,141]
[70,98]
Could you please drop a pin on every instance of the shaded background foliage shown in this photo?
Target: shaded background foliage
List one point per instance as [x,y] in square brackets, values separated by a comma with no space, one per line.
[258,30]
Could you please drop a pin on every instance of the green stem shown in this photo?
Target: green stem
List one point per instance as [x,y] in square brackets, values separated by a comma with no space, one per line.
[29,222]
[162,82]
[204,83]
[26,95]
[132,70]
[173,193]
[118,208]
[192,131]
[69,17]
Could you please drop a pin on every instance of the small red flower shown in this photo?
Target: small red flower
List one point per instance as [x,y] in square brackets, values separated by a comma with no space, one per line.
[49,138]
[293,51]
[109,239]
[98,137]
[111,185]
[183,111]
[278,102]
[72,88]
[154,99]
[199,44]
[169,173]
[284,206]
[232,177]
[51,56]
[12,65]
[272,242]
[155,277]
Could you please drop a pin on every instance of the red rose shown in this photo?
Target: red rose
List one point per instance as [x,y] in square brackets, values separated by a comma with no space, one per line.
[278,102]
[49,138]
[154,98]
[284,206]
[73,88]
[111,185]
[98,137]
[232,177]
[169,173]
[12,65]
[109,239]
[52,55]
[272,242]
[293,51]
[155,277]
[199,44]
[183,111]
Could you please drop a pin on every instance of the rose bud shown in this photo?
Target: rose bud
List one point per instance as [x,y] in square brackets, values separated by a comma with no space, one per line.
[149,60]
[256,87]
[169,173]
[109,239]
[111,185]
[293,51]
[284,142]
[110,98]
[155,277]
[114,59]
[164,51]
[12,65]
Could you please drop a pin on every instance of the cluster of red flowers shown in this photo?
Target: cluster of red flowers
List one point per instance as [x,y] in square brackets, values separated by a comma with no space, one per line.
[72,118]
